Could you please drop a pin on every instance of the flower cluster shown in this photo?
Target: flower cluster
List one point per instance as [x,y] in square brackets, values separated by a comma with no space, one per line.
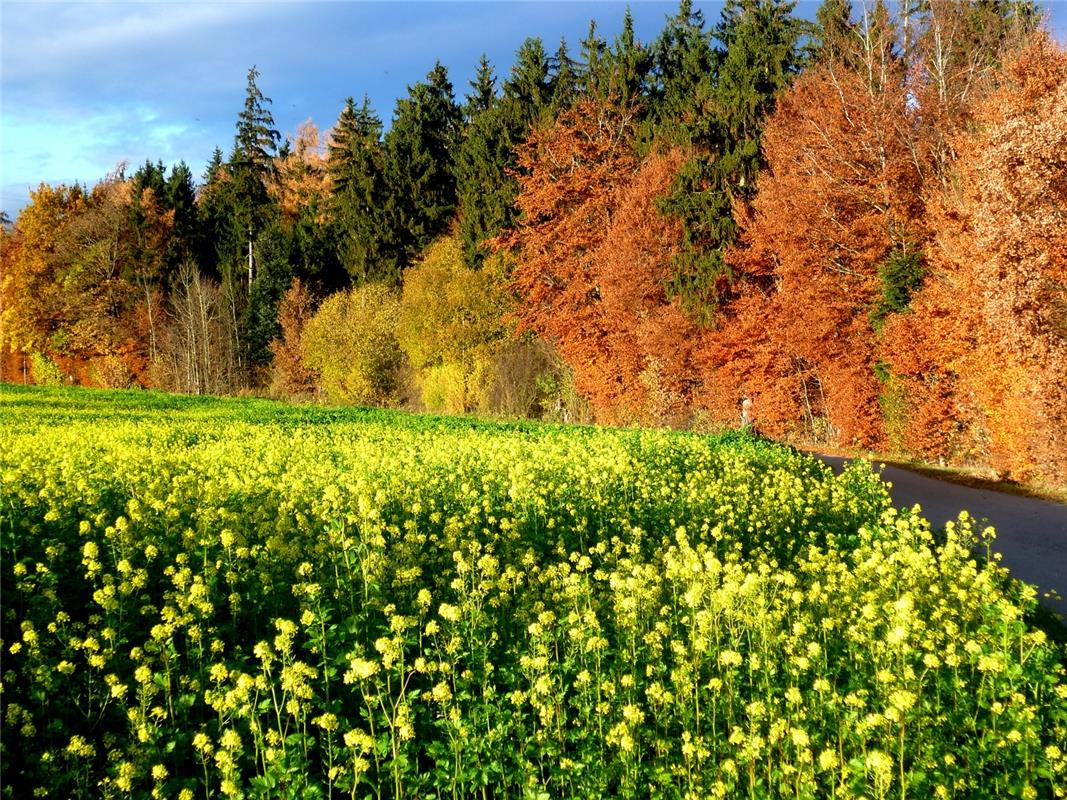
[235,599]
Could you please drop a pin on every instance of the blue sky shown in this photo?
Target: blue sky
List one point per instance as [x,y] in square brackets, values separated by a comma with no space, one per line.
[85,85]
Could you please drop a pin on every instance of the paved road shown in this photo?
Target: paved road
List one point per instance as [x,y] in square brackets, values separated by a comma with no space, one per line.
[1031,534]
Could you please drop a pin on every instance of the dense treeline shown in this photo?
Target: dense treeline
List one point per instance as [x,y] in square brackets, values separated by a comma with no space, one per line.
[859,222]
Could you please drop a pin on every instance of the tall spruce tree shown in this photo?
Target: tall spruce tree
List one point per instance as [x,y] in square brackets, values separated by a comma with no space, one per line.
[591,69]
[485,185]
[833,35]
[485,188]
[356,162]
[420,151]
[485,193]
[684,77]
[529,84]
[273,275]
[482,95]
[565,80]
[758,57]
[180,195]
[627,65]
[251,168]
[217,242]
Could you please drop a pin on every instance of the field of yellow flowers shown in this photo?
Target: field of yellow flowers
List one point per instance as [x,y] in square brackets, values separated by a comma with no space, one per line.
[207,598]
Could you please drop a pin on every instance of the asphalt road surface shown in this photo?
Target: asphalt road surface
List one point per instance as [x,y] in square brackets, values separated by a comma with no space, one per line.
[1031,534]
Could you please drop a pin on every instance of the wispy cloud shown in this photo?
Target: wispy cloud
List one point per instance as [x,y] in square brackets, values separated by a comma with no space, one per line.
[85,84]
[61,149]
[46,38]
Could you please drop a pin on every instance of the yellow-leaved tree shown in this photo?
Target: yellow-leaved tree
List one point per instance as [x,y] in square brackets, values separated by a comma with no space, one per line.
[452,328]
[351,345]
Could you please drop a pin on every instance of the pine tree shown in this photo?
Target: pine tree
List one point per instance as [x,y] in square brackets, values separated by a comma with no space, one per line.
[147,201]
[486,187]
[591,68]
[273,276]
[529,83]
[180,197]
[150,176]
[256,140]
[627,65]
[565,81]
[213,206]
[685,69]
[833,37]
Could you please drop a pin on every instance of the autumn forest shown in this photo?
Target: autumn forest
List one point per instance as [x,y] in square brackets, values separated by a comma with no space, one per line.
[859,222]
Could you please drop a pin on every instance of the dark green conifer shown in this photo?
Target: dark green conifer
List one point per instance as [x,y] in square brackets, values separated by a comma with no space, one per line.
[486,188]
[180,197]
[420,151]
[251,168]
[273,276]
[685,70]
[833,34]
[356,162]
[565,81]
[591,71]
[528,84]
[757,60]
[627,65]
[482,95]
[213,208]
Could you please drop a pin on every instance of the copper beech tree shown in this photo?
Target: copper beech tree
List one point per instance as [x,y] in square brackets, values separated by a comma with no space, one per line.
[592,256]
[983,357]
[839,196]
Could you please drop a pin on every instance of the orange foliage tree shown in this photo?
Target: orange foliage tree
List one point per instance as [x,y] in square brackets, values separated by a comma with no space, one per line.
[983,357]
[291,377]
[302,184]
[840,195]
[654,339]
[31,284]
[81,282]
[591,259]
[569,173]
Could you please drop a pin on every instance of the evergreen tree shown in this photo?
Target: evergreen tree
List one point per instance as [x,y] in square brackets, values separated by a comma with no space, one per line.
[758,57]
[180,194]
[627,65]
[483,91]
[420,151]
[685,69]
[833,33]
[144,259]
[565,81]
[150,176]
[256,140]
[529,85]
[592,74]
[272,279]
[216,240]
[251,167]
[356,164]
[486,189]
